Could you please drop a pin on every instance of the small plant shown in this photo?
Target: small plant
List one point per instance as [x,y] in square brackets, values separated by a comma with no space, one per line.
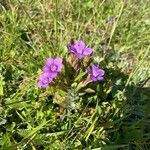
[69,78]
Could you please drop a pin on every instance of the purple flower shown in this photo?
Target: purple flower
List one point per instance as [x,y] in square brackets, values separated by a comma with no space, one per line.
[79,49]
[44,80]
[53,66]
[110,20]
[50,71]
[96,73]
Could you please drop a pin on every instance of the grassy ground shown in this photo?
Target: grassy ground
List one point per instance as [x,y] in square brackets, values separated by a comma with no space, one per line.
[119,33]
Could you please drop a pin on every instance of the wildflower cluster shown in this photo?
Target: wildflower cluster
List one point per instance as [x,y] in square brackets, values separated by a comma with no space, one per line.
[78,50]
[96,73]
[50,71]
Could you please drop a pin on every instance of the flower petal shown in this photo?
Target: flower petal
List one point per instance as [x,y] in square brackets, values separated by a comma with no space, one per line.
[50,80]
[79,55]
[87,51]
[58,61]
[46,69]
[41,84]
[49,61]
[95,70]
[44,80]
[79,46]
[101,72]
[100,78]
[93,78]
[53,74]
[59,67]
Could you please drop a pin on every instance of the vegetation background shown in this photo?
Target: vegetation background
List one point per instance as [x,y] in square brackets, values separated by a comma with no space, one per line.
[119,33]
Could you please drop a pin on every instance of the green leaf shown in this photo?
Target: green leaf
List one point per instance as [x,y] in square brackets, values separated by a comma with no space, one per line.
[89,90]
[79,77]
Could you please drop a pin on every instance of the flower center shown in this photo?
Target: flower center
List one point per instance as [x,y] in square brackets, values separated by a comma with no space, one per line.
[53,67]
